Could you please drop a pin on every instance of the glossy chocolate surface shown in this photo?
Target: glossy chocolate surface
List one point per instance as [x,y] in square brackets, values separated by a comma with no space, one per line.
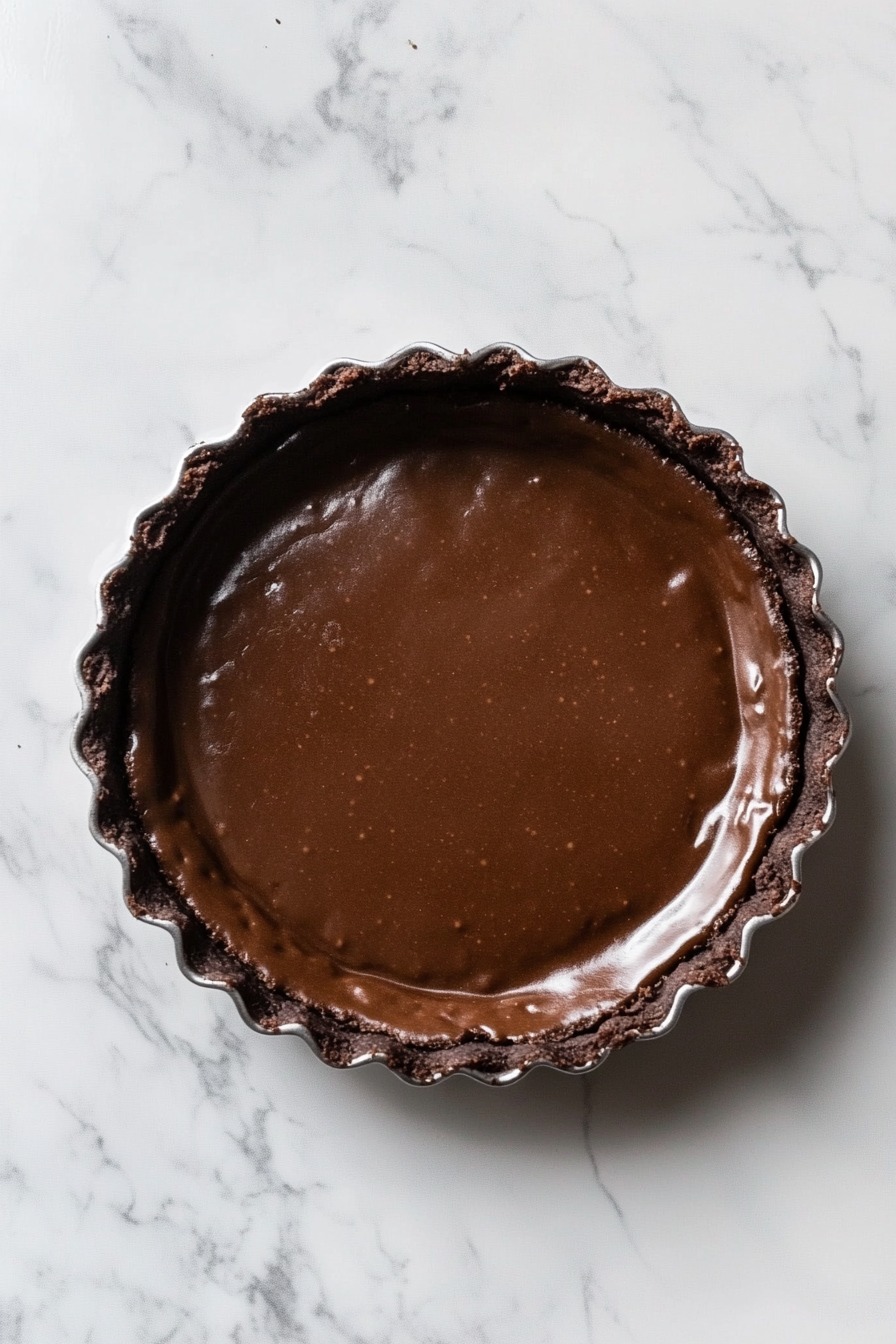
[463,713]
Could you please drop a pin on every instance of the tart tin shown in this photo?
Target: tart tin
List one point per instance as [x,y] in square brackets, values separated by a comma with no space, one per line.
[710,455]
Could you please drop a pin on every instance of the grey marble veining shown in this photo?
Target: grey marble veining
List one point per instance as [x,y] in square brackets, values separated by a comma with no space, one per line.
[202,203]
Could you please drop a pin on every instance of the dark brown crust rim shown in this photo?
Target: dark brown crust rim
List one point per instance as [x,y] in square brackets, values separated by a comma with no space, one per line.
[713,457]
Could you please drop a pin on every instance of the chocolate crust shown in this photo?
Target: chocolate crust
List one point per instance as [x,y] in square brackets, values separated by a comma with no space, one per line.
[712,457]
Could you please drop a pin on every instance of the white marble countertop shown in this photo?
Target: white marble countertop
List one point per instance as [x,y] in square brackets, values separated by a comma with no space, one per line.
[202,201]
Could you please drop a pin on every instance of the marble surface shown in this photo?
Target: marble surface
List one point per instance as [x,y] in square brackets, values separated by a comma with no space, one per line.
[203,201]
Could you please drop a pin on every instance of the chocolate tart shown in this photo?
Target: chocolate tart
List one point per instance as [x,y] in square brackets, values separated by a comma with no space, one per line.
[463,713]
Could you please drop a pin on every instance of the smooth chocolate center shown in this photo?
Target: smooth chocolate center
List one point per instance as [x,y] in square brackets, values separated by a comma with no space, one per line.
[459,714]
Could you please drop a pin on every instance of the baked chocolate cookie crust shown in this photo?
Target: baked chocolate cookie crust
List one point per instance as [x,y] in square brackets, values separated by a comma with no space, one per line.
[307,819]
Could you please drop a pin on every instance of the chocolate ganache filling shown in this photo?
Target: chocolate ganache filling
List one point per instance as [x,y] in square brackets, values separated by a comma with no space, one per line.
[463,714]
